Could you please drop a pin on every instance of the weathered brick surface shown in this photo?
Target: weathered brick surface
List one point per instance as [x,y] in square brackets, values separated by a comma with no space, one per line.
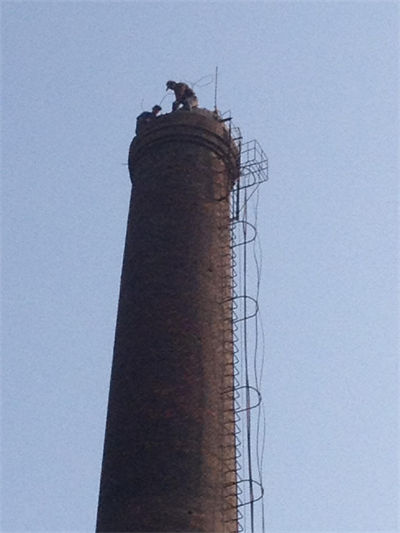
[169,450]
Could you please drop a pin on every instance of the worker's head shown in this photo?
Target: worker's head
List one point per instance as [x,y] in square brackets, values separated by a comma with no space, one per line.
[156,109]
[170,85]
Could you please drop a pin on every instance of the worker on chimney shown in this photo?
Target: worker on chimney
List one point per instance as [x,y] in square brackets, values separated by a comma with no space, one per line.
[184,96]
[146,117]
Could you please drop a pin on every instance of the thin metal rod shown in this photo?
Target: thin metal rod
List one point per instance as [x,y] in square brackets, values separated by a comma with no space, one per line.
[216,88]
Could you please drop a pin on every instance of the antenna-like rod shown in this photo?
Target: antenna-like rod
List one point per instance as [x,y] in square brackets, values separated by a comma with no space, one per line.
[216,87]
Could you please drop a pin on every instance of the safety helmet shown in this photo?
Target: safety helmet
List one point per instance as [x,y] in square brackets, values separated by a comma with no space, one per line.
[170,84]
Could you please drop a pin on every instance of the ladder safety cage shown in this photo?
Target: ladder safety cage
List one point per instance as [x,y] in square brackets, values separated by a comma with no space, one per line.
[247,399]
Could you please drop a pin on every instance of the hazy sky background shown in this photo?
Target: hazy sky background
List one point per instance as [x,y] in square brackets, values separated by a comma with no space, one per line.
[317,83]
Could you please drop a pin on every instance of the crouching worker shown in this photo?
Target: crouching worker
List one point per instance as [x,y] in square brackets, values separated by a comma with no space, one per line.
[146,117]
[184,96]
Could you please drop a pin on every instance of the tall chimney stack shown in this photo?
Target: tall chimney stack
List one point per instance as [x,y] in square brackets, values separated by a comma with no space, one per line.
[169,460]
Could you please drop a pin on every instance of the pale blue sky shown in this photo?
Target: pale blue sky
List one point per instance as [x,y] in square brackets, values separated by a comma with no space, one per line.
[317,84]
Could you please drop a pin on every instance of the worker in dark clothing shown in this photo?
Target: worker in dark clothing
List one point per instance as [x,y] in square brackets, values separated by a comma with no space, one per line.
[184,96]
[146,117]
